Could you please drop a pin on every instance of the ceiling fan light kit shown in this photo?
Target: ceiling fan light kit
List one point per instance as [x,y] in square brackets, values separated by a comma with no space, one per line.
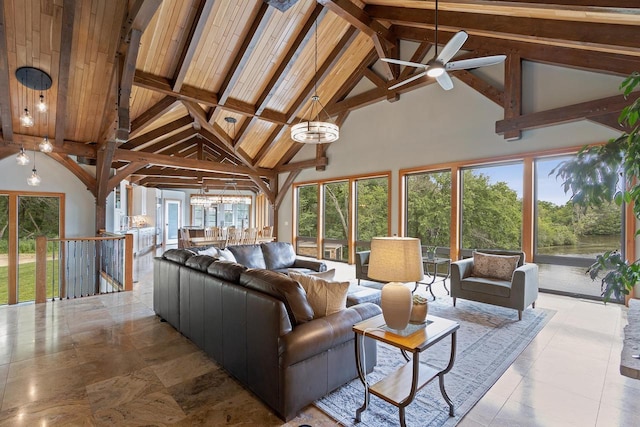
[438,66]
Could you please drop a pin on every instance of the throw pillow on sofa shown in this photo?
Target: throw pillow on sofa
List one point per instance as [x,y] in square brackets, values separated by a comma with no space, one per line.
[226,255]
[212,251]
[326,275]
[494,266]
[325,297]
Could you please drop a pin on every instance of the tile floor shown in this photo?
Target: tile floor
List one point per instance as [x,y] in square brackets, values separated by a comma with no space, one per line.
[107,360]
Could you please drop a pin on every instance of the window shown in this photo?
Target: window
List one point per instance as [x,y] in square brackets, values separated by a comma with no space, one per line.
[336,220]
[428,204]
[492,207]
[372,219]
[307,220]
[568,238]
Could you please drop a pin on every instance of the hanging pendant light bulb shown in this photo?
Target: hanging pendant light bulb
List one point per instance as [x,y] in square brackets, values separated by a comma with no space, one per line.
[319,129]
[26,119]
[34,179]
[45,145]
[42,106]
[22,159]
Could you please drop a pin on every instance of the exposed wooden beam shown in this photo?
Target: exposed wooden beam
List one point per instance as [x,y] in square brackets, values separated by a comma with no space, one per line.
[67,147]
[5,98]
[123,173]
[304,164]
[621,64]
[383,38]
[512,100]
[189,93]
[203,165]
[616,38]
[66,40]
[584,110]
[139,16]
[203,10]
[76,169]
[141,122]
[162,144]
[247,47]
[157,133]
[481,86]
[285,187]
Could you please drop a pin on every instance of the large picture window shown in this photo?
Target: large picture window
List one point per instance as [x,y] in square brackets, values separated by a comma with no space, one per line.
[492,207]
[307,220]
[428,201]
[336,220]
[568,237]
[372,219]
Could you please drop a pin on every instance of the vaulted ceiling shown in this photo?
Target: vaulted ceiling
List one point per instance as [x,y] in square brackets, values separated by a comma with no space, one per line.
[144,86]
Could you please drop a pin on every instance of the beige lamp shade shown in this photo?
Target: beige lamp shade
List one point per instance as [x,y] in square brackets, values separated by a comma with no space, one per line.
[395,259]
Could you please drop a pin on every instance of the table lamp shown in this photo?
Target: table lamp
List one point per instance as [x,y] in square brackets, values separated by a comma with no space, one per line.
[396,260]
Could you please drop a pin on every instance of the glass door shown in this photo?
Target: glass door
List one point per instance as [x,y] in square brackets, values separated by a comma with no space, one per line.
[37,216]
[172,214]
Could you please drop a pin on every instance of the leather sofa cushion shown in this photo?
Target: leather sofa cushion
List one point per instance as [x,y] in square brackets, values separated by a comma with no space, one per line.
[200,262]
[225,270]
[178,255]
[278,255]
[248,255]
[282,287]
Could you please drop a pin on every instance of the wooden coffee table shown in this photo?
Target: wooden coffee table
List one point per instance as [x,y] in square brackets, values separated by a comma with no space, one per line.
[400,387]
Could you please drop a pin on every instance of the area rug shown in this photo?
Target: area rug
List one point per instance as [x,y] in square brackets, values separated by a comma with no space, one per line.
[489,340]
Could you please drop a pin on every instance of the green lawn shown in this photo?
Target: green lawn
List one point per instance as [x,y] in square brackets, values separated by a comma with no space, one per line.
[27,282]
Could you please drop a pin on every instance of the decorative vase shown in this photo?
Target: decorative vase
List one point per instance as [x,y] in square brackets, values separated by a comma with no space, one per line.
[419,313]
[396,305]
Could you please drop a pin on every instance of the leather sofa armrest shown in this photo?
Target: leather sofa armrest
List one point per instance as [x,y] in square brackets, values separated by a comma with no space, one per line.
[314,337]
[310,264]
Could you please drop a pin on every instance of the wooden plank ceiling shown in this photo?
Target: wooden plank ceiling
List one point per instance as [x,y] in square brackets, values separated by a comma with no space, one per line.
[145,86]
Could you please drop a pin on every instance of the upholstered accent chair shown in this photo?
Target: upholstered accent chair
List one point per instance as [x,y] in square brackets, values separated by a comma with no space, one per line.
[362,266]
[496,277]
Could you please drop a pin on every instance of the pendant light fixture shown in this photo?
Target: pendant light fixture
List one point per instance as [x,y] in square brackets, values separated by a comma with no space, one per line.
[22,159]
[45,145]
[231,125]
[37,80]
[319,129]
[34,179]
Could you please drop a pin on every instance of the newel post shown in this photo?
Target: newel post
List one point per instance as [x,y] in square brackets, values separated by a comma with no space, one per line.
[128,262]
[41,269]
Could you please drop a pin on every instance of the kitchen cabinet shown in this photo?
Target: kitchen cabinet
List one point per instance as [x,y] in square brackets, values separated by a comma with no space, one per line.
[146,240]
[139,200]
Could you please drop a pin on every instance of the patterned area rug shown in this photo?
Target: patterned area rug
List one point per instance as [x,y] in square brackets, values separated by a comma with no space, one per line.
[489,340]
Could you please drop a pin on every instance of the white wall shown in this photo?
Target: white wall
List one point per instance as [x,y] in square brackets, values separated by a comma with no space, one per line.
[430,126]
[80,205]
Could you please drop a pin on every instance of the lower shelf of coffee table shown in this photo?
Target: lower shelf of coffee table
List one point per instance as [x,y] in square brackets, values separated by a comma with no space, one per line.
[396,387]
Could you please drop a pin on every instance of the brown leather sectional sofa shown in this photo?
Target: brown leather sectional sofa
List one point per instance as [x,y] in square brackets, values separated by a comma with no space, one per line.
[257,325]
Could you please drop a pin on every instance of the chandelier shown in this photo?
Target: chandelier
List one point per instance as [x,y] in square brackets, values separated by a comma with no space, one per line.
[319,129]
[207,200]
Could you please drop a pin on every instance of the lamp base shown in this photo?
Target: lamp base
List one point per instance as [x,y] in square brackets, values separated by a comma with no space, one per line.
[396,303]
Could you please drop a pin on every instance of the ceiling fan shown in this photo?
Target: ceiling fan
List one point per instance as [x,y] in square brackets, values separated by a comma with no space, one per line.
[439,65]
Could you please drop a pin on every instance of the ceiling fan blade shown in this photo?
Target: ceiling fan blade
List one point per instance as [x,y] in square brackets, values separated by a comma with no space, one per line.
[410,79]
[452,47]
[465,64]
[407,63]
[445,81]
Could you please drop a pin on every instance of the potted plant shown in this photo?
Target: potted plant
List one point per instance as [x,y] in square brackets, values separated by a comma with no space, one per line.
[419,309]
[609,172]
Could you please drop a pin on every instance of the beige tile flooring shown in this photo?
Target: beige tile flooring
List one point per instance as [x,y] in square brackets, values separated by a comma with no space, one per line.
[107,360]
